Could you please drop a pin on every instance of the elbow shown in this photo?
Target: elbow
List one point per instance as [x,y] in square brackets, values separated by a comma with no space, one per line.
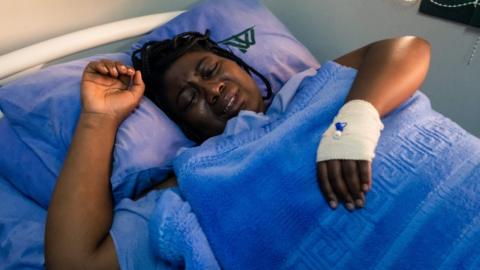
[418,42]
[53,262]
[66,265]
[412,49]
[62,260]
[419,47]
[416,52]
[415,41]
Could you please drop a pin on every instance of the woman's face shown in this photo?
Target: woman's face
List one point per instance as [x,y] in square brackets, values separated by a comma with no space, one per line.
[204,90]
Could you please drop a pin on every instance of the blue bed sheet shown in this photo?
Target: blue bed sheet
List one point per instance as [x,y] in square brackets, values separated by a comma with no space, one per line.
[254,197]
[22,225]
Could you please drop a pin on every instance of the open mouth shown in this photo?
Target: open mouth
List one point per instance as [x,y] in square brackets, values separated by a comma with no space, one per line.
[232,104]
[229,106]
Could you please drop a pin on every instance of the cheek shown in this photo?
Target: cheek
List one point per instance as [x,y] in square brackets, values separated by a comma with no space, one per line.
[240,77]
[252,93]
[246,81]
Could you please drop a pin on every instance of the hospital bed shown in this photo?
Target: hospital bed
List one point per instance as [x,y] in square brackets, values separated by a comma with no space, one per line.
[26,61]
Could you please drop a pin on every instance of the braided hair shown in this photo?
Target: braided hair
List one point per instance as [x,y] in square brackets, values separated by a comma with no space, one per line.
[155,57]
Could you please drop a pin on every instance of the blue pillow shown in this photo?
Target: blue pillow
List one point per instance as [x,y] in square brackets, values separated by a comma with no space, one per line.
[22,167]
[250,31]
[43,108]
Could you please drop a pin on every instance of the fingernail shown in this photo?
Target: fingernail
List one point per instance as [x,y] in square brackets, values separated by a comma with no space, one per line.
[333,204]
[350,206]
[365,187]
[359,203]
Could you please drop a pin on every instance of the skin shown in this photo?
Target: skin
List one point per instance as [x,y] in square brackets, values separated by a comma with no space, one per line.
[81,211]
[204,90]
[389,72]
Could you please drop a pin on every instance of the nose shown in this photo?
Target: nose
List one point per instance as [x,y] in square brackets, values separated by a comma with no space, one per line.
[213,90]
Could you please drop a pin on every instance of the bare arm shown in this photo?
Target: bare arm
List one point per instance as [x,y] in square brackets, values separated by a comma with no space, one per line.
[389,72]
[81,210]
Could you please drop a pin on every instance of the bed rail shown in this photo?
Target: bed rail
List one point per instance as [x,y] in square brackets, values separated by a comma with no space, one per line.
[32,58]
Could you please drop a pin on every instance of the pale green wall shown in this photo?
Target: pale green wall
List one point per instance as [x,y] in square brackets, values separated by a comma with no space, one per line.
[330,28]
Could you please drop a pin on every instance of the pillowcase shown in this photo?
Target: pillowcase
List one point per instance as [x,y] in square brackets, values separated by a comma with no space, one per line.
[43,108]
[19,165]
[250,31]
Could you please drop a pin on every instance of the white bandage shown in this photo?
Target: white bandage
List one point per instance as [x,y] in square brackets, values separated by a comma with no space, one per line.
[353,134]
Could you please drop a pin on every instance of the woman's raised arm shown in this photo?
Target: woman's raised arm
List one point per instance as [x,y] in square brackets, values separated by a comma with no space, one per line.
[81,210]
[389,71]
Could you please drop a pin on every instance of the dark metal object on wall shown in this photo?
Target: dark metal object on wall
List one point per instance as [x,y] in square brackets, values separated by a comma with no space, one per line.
[463,11]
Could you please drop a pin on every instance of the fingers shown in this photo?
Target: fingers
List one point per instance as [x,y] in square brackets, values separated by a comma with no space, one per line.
[365,173]
[110,68]
[325,187]
[116,70]
[123,69]
[344,181]
[352,179]
[138,87]
[100,67]
[339,185]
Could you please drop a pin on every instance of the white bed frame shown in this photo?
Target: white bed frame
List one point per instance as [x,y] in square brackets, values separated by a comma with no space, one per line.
[32,58]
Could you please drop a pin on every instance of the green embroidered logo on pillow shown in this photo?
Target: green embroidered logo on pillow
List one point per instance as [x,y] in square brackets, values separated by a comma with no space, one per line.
[242,41]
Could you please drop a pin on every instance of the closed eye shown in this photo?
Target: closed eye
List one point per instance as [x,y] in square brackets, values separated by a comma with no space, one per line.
[187,98]
[208,73]
[192,100]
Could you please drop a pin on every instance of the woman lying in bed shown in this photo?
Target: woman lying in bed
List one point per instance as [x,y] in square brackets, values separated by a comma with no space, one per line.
[203,87]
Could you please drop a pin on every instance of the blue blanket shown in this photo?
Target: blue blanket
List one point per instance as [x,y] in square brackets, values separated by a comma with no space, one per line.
[256,198]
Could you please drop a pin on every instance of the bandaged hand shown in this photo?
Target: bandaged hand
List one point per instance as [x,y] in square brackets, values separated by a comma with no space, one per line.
[345,153]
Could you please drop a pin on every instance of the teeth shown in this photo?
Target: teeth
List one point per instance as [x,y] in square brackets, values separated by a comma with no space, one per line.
[227,108]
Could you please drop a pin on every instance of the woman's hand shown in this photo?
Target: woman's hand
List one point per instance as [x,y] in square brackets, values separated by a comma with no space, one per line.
[110,89]
[344,181]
